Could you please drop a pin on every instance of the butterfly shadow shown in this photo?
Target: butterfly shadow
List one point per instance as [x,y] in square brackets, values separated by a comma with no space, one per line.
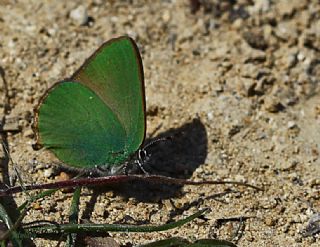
[178,158]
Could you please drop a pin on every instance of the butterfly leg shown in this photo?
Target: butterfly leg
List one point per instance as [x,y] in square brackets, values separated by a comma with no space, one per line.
[140,165]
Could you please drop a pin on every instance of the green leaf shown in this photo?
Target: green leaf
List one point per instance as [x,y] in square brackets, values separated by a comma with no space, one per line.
[180,242]
[73,217]
[96,228]
[14,236]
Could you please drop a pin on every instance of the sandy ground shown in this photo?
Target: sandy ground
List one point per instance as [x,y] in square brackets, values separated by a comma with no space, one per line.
[236,83]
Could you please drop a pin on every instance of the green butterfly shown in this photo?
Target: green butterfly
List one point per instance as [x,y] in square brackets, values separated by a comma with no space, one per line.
[96,119]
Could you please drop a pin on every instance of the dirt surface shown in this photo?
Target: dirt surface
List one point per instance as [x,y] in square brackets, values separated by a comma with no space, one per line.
[236,83]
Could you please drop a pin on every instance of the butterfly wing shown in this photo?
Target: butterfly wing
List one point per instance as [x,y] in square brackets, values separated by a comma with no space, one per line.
[98,117]
[115,73]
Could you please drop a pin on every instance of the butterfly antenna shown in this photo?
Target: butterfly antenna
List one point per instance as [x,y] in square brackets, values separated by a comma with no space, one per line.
[155,130]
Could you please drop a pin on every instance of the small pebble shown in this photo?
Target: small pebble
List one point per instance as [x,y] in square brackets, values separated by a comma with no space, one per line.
[291,125]
[270,221]
[273,105]
[11,124]
[63,176]
[100,241]
[48,172]
[255,39]
[166,16]
[28,133]
[36,206]
[260,6]
[79,15]
[210,115]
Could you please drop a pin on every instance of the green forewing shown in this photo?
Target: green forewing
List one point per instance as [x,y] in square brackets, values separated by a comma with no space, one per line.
[115,74]
[98,117]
